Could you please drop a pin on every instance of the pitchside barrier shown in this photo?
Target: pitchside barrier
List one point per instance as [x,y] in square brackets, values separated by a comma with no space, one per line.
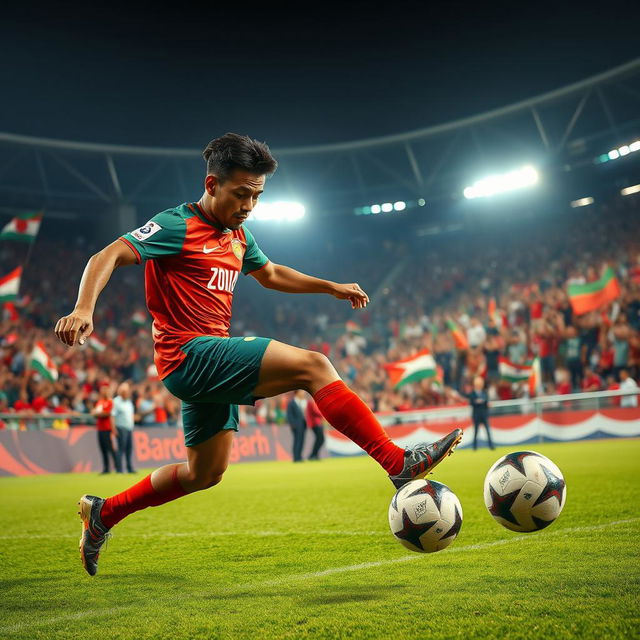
[39,443]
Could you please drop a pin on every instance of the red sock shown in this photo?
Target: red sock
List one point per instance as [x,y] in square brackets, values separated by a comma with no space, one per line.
[346,412]
[139,496]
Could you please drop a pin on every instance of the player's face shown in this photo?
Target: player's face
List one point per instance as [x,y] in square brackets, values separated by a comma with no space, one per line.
[235,198]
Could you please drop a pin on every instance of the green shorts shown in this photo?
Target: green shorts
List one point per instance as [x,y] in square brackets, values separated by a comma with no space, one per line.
[216,376]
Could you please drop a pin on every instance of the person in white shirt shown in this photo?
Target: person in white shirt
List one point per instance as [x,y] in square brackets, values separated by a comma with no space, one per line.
[627,383]
[123,416]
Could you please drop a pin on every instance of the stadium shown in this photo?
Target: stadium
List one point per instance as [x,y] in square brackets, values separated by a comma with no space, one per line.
[499,250]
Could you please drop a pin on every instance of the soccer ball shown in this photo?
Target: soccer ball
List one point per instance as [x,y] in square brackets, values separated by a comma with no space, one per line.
[425,516]
[524,491]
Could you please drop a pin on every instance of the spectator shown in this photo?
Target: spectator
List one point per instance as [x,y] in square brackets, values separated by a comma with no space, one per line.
[315,422]
[104,424]
[296,410]
[123,416]
[573,354]
[591,381]
[479,401]
[627,383]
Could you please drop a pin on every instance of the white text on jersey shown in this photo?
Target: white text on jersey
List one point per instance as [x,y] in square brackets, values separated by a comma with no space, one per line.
[223,279]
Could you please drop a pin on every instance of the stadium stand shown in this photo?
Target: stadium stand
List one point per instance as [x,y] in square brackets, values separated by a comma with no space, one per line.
[524,265]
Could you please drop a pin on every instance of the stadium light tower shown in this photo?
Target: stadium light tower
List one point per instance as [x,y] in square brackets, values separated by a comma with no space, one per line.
[502,182]
[278,211]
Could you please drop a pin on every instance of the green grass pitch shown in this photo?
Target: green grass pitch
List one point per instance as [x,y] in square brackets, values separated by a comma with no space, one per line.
[304,551]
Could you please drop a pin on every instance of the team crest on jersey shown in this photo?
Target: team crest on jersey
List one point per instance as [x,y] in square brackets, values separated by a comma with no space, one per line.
[237,248]
[146,231]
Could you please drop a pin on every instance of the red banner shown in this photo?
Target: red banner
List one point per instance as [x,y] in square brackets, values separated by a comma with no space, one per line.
[76,450]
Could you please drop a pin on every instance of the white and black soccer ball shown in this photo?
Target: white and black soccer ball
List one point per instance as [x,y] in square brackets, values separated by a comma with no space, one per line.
[425,516]
[524,491]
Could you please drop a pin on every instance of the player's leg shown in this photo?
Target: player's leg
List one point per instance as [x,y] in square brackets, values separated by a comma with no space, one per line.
[284,368]
[207,461]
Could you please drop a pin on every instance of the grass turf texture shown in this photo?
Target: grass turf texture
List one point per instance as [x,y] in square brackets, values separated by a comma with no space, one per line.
[295,551]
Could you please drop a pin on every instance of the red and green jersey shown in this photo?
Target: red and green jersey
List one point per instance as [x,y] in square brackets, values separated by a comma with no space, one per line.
[191,269]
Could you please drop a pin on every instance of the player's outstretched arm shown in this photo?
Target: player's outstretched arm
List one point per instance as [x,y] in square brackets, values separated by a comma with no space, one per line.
[281,278]
[78,325]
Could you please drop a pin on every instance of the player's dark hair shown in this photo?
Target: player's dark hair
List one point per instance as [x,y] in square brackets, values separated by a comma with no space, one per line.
[232,151]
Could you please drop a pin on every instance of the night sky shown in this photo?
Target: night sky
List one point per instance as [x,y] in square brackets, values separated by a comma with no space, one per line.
[291,76]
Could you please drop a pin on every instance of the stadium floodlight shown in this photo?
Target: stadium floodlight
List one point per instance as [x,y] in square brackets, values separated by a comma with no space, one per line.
[619,152]
[278,211]
[375,208]
[386,207]
[399,206]
[582,202]
[627,191]
[501,183]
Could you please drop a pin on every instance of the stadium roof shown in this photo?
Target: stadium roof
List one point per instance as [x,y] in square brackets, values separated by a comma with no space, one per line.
[570,124]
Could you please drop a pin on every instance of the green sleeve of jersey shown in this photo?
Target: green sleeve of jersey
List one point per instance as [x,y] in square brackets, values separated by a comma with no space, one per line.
[253,257]
[162,236]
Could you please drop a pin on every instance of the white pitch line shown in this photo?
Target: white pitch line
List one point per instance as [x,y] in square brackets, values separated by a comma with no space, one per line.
[316,574]
[199,534]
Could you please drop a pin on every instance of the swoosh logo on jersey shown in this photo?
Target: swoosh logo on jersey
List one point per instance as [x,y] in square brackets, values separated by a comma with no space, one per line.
[205,250]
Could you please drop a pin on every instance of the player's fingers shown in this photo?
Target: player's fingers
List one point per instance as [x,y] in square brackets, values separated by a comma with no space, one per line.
[85,332]
[62,329]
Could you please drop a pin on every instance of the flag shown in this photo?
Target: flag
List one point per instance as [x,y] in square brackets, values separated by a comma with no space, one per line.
[10,284]
[593,295]
[139,318]
[458,335]
[96,343]
[412,369]
[42,363]
[535,379]
[23,227]
[511,372]
[10,312]
[353,327]
[494,313]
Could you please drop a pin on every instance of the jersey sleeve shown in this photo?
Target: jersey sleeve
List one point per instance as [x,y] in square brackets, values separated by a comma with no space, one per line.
[162,236]
[253,259]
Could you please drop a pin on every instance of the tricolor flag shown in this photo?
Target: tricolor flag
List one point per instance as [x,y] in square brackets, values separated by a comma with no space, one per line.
[459,336]
[412,369]
[512,372]
[23,228]
[96,343]
[593,295]
[535,379]
[353,327]
[139,318]
[10,284]
[42,363]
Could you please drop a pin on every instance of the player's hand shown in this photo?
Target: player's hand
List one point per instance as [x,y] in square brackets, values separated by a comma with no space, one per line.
[352,292]
[74,328]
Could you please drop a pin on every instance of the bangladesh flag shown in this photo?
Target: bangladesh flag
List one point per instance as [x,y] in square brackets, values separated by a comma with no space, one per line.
[512,372]
[412,369]
[42,363]
[459,336]
[593,295]
[10,284]
[23,228]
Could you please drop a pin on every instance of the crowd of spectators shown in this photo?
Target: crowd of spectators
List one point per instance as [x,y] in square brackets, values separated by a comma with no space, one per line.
[505,288]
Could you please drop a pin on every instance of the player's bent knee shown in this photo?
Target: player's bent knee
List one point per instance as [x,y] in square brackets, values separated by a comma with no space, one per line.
[202,481]
[317,364]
